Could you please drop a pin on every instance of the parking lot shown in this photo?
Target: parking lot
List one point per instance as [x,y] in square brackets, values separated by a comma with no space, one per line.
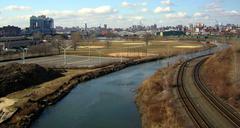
[72,61]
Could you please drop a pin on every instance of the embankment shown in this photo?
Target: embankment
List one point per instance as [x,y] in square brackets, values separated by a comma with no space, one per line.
[158,102]
[221,73]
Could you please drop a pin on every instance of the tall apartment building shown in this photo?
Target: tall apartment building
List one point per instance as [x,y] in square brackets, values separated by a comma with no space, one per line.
[42,24]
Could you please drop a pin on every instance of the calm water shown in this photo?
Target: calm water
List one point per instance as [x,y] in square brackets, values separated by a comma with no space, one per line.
[105,102]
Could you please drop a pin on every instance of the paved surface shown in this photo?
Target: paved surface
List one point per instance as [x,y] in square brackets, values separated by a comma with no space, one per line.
[72,61]
[203,105]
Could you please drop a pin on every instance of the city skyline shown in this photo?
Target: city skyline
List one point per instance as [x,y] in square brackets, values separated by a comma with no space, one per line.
[122,13]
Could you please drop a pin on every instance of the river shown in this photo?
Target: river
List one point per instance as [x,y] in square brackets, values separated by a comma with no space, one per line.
[105,102]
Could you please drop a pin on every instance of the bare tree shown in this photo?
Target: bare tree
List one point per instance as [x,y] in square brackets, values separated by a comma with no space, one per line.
[92,38]
[41,49]
[147,38]
[108,44]
[57,42]
[76,38]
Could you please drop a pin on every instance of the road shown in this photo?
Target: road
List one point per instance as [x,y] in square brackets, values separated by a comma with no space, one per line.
[206,112]
[73,61]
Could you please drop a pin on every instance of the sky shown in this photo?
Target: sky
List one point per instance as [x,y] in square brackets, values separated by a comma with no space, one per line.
[121,13]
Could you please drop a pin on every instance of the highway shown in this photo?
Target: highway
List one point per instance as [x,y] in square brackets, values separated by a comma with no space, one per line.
[205,109]
[73,61]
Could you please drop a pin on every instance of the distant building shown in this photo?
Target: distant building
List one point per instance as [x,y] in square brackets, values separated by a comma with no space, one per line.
[16,42]
[8,31]
[42,24]
[105,26]
[86,27]
[171,33]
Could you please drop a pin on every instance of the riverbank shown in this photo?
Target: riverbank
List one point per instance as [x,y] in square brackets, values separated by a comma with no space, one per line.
[29,103]
[158,102]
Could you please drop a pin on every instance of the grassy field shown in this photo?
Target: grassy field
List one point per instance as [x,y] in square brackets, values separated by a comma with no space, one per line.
[133,49]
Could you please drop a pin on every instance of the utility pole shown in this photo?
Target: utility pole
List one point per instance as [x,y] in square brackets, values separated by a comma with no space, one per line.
[121,52]
[23,55]
[65,57]
[168,53]
[100,58]
[64,54]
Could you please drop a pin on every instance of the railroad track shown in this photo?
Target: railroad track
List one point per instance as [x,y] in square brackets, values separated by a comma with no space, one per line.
[227,111]
[199,119]
[195,114]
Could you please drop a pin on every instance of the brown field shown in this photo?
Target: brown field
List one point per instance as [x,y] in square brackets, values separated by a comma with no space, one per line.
[134,54]
[133,49]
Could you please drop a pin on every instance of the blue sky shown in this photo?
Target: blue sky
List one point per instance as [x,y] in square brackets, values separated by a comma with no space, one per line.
[121,13]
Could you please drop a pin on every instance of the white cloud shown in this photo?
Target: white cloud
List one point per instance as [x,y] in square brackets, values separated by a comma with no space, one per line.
[102,10]
[144,10]
[232,13]
[98,10]
[167,2]
[128,5]
[214,7]
[58,14]
[17,8]
[160,9]
[199,14]
[176,15]
[216,10]
[137,17]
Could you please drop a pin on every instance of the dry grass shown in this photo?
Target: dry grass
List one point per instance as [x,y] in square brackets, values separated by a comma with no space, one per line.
[126,54]
[221,73]
[133,48]
[158,103]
